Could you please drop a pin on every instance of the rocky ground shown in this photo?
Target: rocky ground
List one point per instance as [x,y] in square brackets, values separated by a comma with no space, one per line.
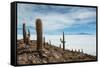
[27,54]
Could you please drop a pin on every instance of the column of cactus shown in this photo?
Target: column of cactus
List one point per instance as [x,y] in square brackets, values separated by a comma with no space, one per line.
[63,41]
[24,32]
[44,41]
[39,34]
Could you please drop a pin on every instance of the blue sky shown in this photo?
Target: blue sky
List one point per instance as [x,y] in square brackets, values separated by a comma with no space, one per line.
[56,19]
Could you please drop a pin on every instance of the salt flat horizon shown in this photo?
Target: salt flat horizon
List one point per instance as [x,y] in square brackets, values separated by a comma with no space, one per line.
[85,42]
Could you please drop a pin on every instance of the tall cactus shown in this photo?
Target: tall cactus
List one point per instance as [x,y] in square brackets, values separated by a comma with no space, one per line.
[63,41]
[39,34]
[24,32]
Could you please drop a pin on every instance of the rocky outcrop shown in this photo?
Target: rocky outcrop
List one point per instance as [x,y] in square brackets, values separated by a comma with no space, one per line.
[49,54]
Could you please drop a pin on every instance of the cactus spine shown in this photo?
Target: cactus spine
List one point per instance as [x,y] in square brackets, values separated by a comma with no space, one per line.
[39,34]
[63,41]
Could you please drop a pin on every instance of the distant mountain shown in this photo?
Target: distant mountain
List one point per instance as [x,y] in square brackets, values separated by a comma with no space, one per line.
[79,33]
[84,34]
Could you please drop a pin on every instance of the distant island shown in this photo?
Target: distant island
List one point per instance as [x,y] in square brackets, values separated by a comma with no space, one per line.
[82,33]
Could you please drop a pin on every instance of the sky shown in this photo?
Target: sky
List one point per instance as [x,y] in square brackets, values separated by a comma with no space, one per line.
[71,20]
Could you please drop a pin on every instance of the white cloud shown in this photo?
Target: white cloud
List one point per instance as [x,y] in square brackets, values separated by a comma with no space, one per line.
[55,20]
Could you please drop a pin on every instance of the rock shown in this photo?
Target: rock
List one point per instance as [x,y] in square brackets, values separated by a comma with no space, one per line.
[56,55]
[21,45]
[44,55]
[45,60]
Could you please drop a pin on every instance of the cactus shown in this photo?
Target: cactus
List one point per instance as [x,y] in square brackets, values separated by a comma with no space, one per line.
[39,34]
[82,51]
[63,41]
[27,40]
[49,42]
[72,50]
[79,50]
[44,41]
[28,33]
[60,46]
[26,37]
[24,33]
[75,50]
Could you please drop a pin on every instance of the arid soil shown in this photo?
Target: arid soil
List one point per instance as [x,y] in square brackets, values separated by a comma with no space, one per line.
[28,54]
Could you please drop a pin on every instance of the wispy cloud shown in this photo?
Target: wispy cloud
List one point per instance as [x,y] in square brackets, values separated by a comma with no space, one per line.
[73,20]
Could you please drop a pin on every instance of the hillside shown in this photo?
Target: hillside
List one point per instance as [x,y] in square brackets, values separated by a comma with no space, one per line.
[28,54]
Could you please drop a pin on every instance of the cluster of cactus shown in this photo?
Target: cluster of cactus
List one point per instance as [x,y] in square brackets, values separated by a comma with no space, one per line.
[26,37]
[39,34]
[63,41]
